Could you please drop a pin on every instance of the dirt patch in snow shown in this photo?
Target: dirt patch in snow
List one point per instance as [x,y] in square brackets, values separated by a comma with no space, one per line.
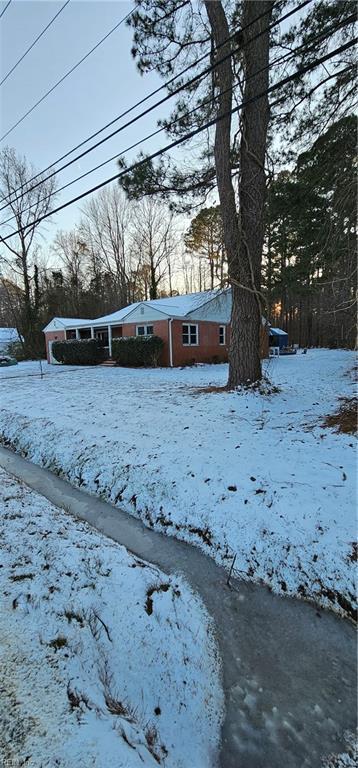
[346,418]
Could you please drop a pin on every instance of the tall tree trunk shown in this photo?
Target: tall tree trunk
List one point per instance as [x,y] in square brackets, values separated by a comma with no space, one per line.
[153,294]
[269,273]
[170,277]
[212,274]
[244,253]
[28,325]
[223,73]
[245,362]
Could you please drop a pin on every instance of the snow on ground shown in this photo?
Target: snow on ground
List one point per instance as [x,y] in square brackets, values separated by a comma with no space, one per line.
[348,759]
[104,660]
[235,473]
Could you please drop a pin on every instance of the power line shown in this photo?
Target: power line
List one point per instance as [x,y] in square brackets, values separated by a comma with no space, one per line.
[150,95]
[75,66]
[4,9]
[185,2]
[303,48]
[279,60]
[190,135]
[158,103]
[34,42]
[136,144]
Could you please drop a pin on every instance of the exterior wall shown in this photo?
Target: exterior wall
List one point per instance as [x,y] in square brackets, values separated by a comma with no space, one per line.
[208,350]
[53,336]
[160,328]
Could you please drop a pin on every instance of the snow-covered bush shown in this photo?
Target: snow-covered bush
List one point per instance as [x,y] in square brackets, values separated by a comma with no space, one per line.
[137,351]
[16,349]
[78,352]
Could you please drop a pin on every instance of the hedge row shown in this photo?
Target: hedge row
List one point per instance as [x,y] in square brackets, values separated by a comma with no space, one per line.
[137,351]
[78,352]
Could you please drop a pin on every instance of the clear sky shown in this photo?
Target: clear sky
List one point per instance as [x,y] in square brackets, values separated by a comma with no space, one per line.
[103,86]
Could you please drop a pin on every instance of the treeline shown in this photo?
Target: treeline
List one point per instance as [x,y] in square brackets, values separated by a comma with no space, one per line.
[309,277]
[310,260]
[124,251]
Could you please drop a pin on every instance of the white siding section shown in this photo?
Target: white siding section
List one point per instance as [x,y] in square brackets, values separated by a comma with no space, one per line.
[144,314]
[60,323]
[218,309]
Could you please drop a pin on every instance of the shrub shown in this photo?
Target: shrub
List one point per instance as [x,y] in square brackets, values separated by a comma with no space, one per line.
[78,352]
[17,350]
[137,351]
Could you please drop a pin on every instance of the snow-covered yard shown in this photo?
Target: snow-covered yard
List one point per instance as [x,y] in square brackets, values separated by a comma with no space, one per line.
[240,474]
[104,660]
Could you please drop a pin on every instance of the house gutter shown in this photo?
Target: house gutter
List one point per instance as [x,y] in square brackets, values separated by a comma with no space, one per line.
[170,321]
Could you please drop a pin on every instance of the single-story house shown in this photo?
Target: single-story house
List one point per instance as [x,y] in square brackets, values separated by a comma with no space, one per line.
[8,336]
[195,327]
[278,338]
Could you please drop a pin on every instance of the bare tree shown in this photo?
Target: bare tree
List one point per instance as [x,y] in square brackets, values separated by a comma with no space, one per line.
[27,205]
[153,244]
[71,253]
[104,229]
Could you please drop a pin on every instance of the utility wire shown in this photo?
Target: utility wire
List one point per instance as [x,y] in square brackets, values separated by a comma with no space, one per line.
[34,42]
[4,9]
[190,135]
[146,98]
[137,144]
[69,72]
[185,2]
[280,59]
[304,48]
[196,78]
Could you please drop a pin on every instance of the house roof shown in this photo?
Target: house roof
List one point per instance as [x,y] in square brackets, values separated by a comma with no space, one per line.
[67,322]
[277,332]
[120,314]
[8,335]
[171,306]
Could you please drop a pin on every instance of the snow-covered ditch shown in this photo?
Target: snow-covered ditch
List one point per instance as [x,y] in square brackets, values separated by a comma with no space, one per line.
[238,474]
[104,660]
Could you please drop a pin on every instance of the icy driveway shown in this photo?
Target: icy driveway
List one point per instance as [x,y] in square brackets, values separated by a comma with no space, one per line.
[288,670]
[237,474]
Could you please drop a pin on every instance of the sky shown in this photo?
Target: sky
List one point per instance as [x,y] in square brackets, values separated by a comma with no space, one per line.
[103,86]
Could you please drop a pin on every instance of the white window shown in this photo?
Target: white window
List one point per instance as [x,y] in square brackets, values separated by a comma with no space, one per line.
[222,335]
[145,330]
[190,335]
